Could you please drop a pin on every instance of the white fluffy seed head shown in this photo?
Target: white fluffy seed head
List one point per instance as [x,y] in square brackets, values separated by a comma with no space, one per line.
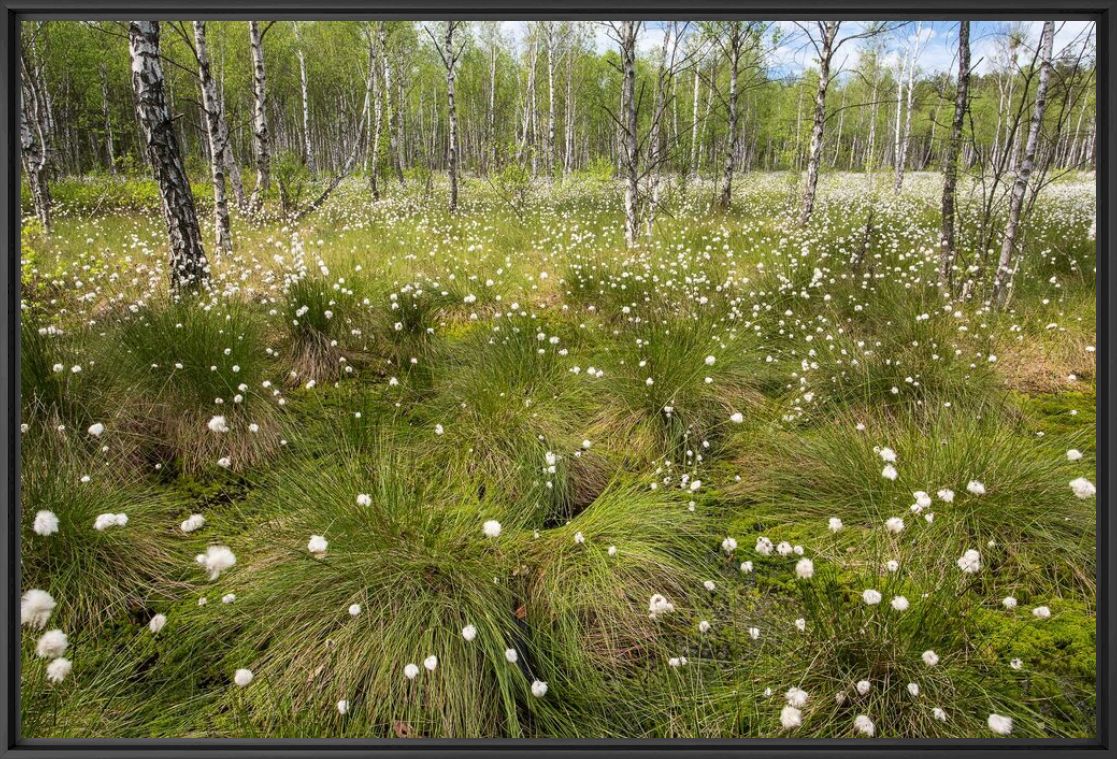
[52,644]
[35,608]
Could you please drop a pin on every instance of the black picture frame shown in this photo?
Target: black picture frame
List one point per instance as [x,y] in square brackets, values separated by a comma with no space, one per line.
[1102,12]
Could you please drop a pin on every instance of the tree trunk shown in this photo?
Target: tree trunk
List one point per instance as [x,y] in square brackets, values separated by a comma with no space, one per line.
[1002,280]
[829,31]
[308,152]
[733,137]
[549,38]
[395,144]
[902,149]
[260,138]
[627,36]
[110,149]
[694,123]
[568,115]
[373,143]
[34,130]
[189,268]
[490,121]
[950,161]
[871,147]
[218,139]
[450,58]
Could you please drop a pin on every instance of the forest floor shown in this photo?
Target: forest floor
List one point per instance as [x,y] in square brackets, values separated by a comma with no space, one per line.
[730,483]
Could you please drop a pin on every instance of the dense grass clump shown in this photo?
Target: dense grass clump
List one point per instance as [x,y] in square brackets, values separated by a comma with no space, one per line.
[189,361]
[96,573]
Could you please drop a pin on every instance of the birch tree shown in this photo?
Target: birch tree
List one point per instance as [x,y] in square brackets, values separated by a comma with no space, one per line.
[626,33]
[188,265]
[300,52]
[823,42]
[450,52]
[395,144]
[903,136]
[35,130]
[218,133]
[732,44]
[1006,266]
[947,253]
[260,137]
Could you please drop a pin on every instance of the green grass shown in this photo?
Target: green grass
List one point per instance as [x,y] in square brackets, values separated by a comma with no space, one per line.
[494,365]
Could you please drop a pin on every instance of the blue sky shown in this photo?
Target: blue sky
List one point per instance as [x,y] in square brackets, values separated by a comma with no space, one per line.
[938,41]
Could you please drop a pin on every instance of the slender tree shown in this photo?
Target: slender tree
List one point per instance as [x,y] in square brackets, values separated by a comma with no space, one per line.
[35,127]
[947,252]
[732,44]
[188,265]
[395,143]
[626,33]
[1006,267]
[218,134]
[300,52]
[261,140]
[824,46]
[450,52]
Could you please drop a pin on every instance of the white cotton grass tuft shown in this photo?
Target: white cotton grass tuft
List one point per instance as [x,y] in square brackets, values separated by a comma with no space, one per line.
[192,523]
[970,561]
[105,521]
[871,597]
[889,472]
[1074,455]
[894,525]
[364,499]
[1082,487]
[729,545]
[863,687]
[796,697]
[1041,612]
[975,487]
[835,524]
[491,528]
[804,569]
[469,632]
[511,655]
[999,724]
[46,523]
[52,644]
[864,725]
[35,608]
[658,604]
[431,663]
[411,671]
[343,707]
[157,623]
[790,718]
[96,429]
[900,603]
[216,560]
[243,677]
[218,424]
[930,658]
[539,689]
[939,714]
[354,610]
[317,545]
[58,669]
